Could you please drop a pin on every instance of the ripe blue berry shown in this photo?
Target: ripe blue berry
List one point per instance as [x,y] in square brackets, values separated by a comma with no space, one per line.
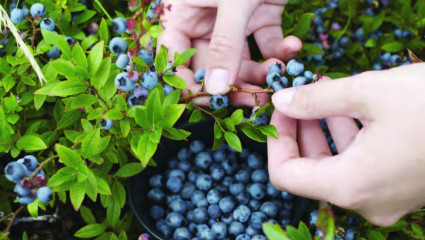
[214,211]
[122,61]
[353,221]
[44,194]
[70,40]
[203,160]
[47,24]
[150,80]
[287,196]
[236,188]
[257,191]
[133,100]
[156,195]
[257,219]
[196,146]
[255,161]
[272,77]
[199,75]
[25,200]
[200,214]
[281,84]
[124,83]
[38,9]
[167,89]
[219,229]
[243,237]
[226,204]
[204,182]
[15,171]
[119,25]
[174,184]
[242,198]
[187,190]
[29,161]
[156,181]
[118,45]
[277,67]
[217,173]
[178,205]
[182,234]
[349,234]
[219,101]
[263,119]
[54,53]
[269,209]
[395,60]
[17,15]
[259,237]
[147,56]
[21,191]
[175,219]
[309,75]
[236,228]
[272,191]
[252,231]
[313,217]
[295,67]
[106,123]
[259,176]
[214,196]
[242,213]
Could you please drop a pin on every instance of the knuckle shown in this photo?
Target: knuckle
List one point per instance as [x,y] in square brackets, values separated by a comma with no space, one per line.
[221,44]
[304,99]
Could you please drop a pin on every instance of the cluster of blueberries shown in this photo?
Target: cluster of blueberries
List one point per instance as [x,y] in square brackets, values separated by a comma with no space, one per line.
[341,234]
[206,195]
[29,186]
[294,68]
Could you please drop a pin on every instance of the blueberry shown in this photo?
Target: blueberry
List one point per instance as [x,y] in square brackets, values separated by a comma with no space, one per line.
[196,146]
[227,181]
[198,199]
[242,213]
[29,161]
[220,229]
[272,191]
[203,160]
[236,228]
[174,184]
[349,234]
[277,86]
[236,188]
[309,75]
[272,77]
[146,55]
[150,80]
[165,230]
[25,200]
[299,81]
[118,45]
[263,119]
[47,24]
[192,227]
[119,25]
[287,196]
[156,195]
[17,15]
[344,41]
[257,219]
[217,173]
[156,181]
[122,61]
[156,212]
[277,67]
[44,194]
[257,191]
[407,34]
[219,101]
[227,218]
[187,190]
[259,176]
[295,67]
[38,9]
[259,237]
[214,211]
[318,234]
[254,204]
[377,66]
[199,75]
[133,100]
[214,196]
[54,53]
[175,219]
[193,174]
[395,60]
[15,171]
[178,173]
[184,154]
[182,234]
[124,83]
[205,233]
[230,166]
[226,204]
[167,89]
[269,209]
[178,205]
[21,191]
[106,123]
[353,221]
[313,217]
[204,182]
[243,198]
[243,237]
[398,33]
[219,155]
[200,214]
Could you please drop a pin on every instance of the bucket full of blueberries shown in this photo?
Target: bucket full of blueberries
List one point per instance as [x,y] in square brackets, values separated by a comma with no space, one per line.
[197,193]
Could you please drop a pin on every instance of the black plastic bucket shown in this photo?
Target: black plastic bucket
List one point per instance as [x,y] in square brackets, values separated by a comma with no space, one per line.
[138,186]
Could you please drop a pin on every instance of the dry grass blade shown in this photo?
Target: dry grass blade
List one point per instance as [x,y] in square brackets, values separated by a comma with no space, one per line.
[413,57]
[7,23]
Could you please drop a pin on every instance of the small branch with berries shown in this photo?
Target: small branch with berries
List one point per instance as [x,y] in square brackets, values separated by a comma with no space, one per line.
[42,164]
[34,31]
[14,215]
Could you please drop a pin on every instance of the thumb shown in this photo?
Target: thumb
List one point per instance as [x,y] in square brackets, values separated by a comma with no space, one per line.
[336,98]
[227,44]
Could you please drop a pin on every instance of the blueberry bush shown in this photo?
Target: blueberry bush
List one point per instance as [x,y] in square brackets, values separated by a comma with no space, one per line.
[86,96]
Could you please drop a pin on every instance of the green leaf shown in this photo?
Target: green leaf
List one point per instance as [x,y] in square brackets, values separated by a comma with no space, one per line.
[104,31]
[118,192]
[101,76]
[375,235]
[161,60]
[129,170]
[76,194]
[87,215]
[125,127]
[253,133]
[196,116]
[90,143]
[91,185]
[69,157]
[83,100]
[64,174]
[172,98]
[180,59]
[326,221]
[95,58]
[268,130]
[62,89]
[172,113]
[312,49]
[293,233]
[84,16]
[155,31]
[58,41]
[103,186]
[237,116]
[175,134]
[303,25]
[175,81]
[31,143]
[274,232]
[79,57]
[140,64]
[218,132]
[141,117]
[154,110]
[113,115]
[392,47]
[90,231]
[33,208]
[304,231]
[147,145]
[233,140]
[113,212]
[69,118]
[401,224]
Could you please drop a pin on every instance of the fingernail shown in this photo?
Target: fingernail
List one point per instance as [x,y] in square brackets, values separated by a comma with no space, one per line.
[283,98]
[218,81]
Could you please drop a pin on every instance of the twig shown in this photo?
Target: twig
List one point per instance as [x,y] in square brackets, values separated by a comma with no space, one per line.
[192,96]
[15,214]
[205,111]
[252,91]
[42,164]
[34,31]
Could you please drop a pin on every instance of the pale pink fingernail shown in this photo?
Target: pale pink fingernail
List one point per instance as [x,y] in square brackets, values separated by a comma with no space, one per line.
[283,98]
[218,81]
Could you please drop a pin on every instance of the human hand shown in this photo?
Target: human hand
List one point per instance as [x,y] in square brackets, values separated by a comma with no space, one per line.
[379,171]
[218,30]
